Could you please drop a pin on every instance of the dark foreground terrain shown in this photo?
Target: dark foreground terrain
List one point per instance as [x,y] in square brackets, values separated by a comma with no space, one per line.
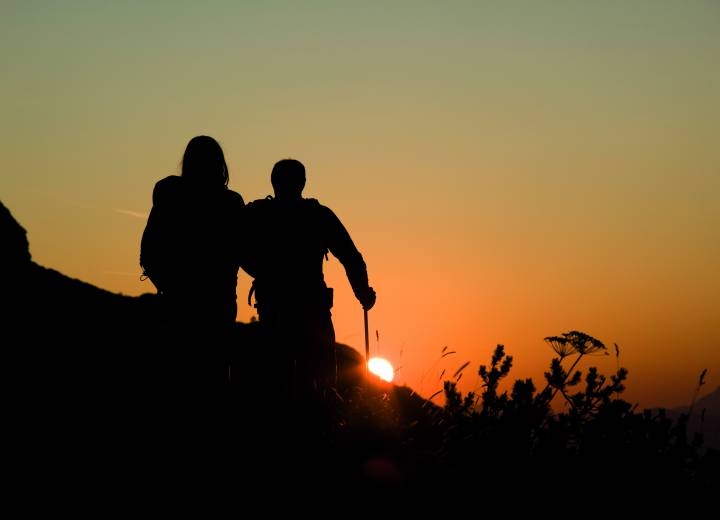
[100,404]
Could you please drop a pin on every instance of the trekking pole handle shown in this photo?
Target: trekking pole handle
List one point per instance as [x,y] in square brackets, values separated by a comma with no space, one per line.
[367,340]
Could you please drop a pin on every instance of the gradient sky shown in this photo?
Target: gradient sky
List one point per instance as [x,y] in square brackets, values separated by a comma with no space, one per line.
[510,170]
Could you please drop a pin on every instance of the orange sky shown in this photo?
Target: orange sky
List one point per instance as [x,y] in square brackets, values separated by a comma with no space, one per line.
[509,170]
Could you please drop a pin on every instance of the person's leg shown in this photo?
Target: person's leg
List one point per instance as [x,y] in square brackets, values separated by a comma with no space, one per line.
[321,339]
[316,372]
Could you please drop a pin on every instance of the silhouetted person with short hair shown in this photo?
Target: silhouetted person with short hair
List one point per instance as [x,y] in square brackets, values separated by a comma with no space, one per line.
[290,237]
[190,253]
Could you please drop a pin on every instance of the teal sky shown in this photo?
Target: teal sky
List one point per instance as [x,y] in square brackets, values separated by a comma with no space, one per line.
[510,170]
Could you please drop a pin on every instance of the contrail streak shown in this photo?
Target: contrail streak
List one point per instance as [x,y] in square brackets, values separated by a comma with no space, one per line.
[135,214]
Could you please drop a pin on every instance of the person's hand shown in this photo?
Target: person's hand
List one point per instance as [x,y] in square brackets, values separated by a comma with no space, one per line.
[367,298]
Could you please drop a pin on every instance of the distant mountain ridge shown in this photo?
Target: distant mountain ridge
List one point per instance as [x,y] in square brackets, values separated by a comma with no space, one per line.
[704,417]
[709,402]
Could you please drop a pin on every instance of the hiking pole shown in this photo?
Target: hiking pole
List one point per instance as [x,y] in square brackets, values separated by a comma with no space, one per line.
[367,342]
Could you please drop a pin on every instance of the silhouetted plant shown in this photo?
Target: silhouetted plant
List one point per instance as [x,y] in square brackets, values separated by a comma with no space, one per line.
[597,393]
[566,345]
[701,382]
[599,434]
[455,403]
[500,366]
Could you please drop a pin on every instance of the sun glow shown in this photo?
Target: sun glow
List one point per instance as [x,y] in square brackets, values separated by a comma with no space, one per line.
[381,368]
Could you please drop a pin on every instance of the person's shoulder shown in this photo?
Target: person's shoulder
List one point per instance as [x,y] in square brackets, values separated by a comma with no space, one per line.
[166,187]
[234,198]
[260,204]
[314,205]
[169,182]
[319,208]
[322,215]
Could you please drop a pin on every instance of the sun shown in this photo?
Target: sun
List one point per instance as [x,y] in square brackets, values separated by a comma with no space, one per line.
[381,368]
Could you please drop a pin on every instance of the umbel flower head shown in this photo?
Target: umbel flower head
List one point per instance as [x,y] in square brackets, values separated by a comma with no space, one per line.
[561,346]
[575,342]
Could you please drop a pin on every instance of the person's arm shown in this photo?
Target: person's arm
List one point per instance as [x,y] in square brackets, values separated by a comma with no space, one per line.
[153,243]
[151,250]
[241,232]
[342,247]
[246,238]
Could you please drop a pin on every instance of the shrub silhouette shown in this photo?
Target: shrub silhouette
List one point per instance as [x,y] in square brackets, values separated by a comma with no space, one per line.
[518,435]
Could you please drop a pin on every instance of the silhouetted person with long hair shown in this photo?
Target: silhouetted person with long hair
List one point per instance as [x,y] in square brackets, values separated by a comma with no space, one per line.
[289,237]
[189,251]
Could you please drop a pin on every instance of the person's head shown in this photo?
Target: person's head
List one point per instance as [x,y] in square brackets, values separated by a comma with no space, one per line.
[288,179]
[204,162]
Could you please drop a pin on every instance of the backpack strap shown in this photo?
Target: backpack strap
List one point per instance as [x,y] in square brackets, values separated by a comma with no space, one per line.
[316,206]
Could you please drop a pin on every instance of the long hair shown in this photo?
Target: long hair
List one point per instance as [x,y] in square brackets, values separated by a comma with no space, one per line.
[204,162]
